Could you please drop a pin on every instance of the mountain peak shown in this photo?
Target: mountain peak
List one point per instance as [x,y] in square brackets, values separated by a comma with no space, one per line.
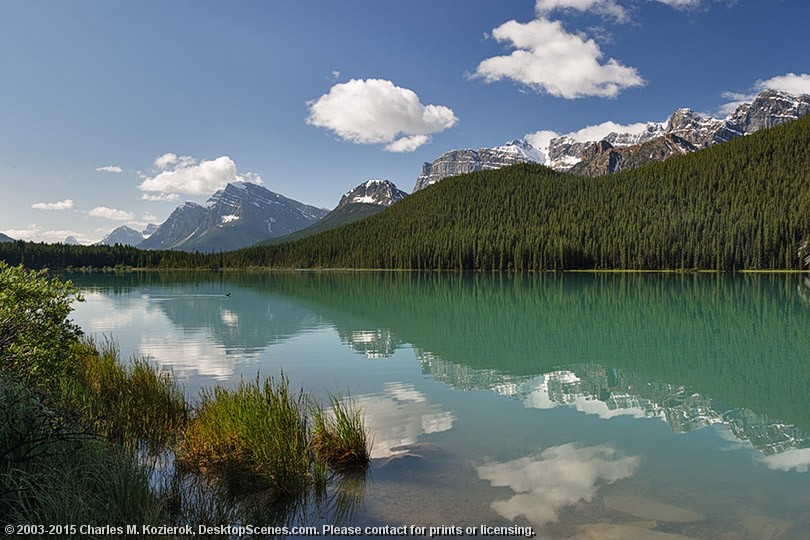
[126,236]
[457,162]
[381,192]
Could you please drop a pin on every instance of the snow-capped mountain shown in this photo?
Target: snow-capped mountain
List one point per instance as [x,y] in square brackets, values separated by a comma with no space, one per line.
[381,192]
[464,161]
[239,215]
[5,238]
[685,131]
[71,241]
[126,236]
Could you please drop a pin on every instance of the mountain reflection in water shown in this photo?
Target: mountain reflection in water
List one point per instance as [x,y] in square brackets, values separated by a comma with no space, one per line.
[694,350]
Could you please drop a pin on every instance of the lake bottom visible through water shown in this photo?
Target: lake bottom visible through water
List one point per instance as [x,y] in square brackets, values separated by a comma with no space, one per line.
[570,406]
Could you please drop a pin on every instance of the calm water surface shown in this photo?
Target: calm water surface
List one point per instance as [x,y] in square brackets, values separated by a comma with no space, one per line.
[583,405]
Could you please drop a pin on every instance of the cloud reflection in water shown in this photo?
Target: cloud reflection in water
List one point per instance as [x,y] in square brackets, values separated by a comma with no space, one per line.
[399,415]
[559,476]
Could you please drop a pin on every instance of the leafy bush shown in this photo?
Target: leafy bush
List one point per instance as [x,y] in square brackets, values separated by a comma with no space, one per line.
[35,334]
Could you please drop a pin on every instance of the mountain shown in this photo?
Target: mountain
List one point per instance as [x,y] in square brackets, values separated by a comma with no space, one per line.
[4,238]
[239,215]
[367,199]
[738,205]
[379,192]
[685,131]
[71,241]
[149,230]
[126,236]
[457,162]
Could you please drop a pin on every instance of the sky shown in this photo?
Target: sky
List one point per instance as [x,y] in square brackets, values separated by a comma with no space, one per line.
[115,112]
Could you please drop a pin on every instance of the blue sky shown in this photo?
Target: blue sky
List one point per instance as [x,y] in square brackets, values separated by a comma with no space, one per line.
[115,112]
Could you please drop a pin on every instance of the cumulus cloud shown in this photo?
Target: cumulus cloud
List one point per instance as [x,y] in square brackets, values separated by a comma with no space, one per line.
[34,233]
[112,213]
[789,82]
[607,8]
[559,476]
[541,139]
[681,4]
[110,169]
[550,59]
[161,197]
[67,204]
[375,111]
[185,175]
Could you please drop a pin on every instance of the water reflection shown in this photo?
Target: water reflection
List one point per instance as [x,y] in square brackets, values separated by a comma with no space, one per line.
[398,415]
[557,477]
[692,350]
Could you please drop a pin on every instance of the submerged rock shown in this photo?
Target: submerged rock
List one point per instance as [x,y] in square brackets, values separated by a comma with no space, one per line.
[649,509]
[765,528]
[611,531]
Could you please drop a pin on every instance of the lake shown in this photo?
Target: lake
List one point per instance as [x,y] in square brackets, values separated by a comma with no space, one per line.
[581,405]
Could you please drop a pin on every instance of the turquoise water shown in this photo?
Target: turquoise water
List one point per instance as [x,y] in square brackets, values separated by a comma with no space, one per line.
[581,405]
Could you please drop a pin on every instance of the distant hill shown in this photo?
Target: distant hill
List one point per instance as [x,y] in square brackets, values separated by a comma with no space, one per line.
[367,199]
[4,238]
[740,204]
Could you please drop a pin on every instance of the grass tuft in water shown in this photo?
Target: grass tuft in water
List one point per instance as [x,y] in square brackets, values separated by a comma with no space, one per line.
[254,437]
[137,406]
[339,437]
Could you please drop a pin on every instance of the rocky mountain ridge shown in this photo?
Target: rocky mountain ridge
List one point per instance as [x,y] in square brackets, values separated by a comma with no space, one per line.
[381,192]
[685,131]
[457,162]
[239,215]
[127,236]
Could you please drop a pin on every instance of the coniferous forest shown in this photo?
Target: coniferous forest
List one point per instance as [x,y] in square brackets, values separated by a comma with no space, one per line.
[744,204]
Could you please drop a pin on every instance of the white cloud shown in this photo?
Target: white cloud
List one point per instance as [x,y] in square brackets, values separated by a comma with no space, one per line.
[681,4]
[541,139]
[112,213]
[601,7]
[559,476]
[184,175]
[34,233]
[148,216]
[407,144]
[600,131]
[161,197]
[375,111]
[335,74]
[67,204]
[789,82]
[110,169]
[550,59]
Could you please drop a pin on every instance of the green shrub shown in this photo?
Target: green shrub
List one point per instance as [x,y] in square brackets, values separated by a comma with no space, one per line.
[35,333]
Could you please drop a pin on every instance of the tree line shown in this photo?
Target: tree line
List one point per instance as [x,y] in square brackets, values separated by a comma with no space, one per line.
[744,204]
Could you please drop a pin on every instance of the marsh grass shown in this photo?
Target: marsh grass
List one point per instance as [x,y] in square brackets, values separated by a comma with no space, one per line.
[54,472]
[254,437]
[339,437]
[136,405]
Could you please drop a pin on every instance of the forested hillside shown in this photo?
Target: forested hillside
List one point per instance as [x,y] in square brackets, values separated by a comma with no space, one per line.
[739,205]
[744,204]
